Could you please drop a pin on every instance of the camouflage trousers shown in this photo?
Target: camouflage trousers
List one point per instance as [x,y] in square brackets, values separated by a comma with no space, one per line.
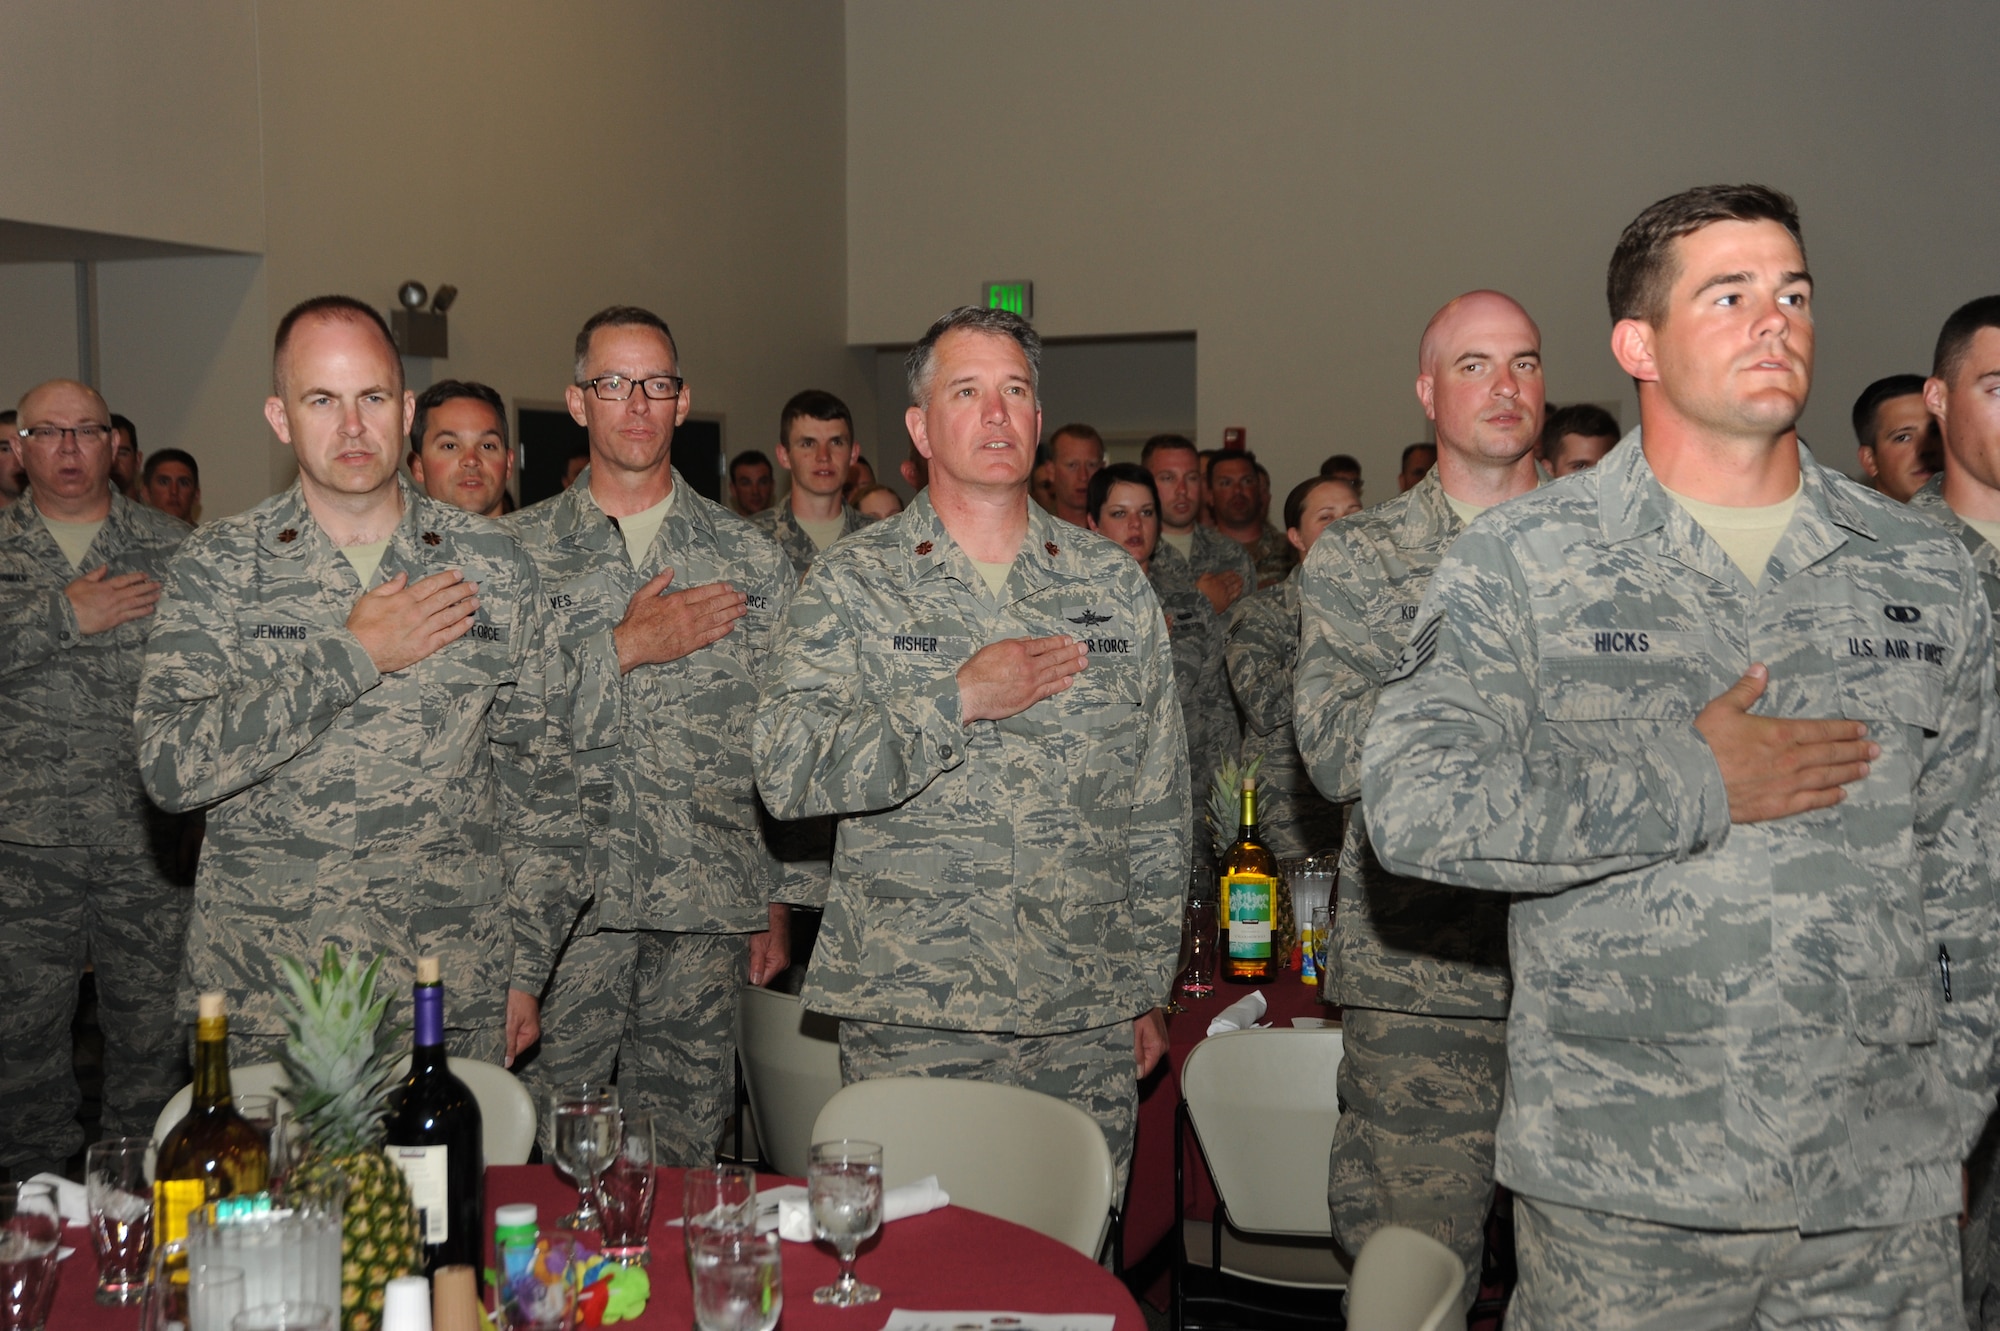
[61,906]
[1589,1271]
[1092,1069]
[1980,1240]
[1419,1098]
[661,1008]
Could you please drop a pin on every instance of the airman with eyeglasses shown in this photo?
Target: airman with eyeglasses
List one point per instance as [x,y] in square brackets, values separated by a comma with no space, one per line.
[83,868]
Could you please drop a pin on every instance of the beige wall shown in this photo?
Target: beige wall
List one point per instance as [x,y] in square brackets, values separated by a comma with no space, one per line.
[1301,184]
[547,160]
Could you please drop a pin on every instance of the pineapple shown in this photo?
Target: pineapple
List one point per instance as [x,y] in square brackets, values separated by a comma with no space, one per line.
[341,1065]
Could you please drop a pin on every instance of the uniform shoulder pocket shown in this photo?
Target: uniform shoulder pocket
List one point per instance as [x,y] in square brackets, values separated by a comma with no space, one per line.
[1617,687]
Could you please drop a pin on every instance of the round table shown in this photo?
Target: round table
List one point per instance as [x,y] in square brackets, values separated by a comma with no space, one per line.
[951,1259]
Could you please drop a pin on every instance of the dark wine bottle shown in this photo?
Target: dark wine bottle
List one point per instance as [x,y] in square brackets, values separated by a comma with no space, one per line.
[434,1134]
[213,1152]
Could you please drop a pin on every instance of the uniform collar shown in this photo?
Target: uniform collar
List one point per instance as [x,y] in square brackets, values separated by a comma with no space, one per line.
[22,518]
[579,521]
[1930,502]
[287,529]
[1632,503]
[929,550]
[1428,520]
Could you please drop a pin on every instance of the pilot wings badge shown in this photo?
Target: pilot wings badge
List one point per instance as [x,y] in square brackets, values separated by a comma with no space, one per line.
[1085,617]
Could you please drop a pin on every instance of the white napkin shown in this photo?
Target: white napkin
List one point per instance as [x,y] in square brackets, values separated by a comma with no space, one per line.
[794,1220]
[1240,1015]
[71,1198]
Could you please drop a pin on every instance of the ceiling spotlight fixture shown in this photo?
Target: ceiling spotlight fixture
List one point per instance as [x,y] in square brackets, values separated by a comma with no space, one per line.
[420,331]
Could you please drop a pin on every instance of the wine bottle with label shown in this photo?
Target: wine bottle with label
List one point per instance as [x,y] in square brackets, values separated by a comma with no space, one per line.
[435,1135]
[1249,900]
[213,1152]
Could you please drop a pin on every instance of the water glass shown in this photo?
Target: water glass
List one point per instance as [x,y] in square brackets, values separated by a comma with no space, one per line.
[289,1257]
[1198,978]
[287,1317]
[625,1192]
[215,1297]
[738,1281]
[30,1233]
[583,1132]
[844,1189]
[1322,946]
[721,1200]
[117,1176]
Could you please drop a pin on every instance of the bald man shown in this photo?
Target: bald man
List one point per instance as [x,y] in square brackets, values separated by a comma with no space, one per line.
[83,853]
[1419,967]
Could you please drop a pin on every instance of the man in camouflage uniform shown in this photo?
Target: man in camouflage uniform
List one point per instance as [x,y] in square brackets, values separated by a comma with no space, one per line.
[1965,498]
[1223,569]
[1752,1036]
[351,678]
[665,607]
[1261,650]
[82,851]
[816,445]
[1007,888]
[1419,967]
[1123,506]
[1238,501]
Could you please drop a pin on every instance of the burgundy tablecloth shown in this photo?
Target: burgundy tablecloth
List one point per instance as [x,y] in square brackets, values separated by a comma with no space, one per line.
[1149,1199]
[949,1259]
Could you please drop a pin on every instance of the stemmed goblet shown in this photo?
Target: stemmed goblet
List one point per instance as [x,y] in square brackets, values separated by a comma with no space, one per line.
[584,1128]
[844,1190]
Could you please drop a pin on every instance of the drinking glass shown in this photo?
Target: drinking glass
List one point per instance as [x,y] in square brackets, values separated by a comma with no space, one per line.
[117,1176]
[719,1200]
[30,1232]
[583,1132]
[1198,979]
[738,1281]
[215,1297]
[287,1317]
[625,1192]
[844,1188]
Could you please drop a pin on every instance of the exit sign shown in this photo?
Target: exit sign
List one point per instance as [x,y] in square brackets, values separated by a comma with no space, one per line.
[1014,297]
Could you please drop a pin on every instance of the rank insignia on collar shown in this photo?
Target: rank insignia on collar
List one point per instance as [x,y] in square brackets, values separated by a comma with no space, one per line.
[432,538]
[288,535]
[923,547]
[1052,548]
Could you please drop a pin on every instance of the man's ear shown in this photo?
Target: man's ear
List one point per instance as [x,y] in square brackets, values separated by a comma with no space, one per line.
[1632,348]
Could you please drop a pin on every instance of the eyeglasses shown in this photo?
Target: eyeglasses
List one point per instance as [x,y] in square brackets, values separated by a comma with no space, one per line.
[617,388]
[51,435]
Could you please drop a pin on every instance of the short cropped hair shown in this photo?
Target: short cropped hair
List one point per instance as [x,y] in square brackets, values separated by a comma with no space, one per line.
[166,455]
[814,404]
[125,423]
[1340,464]
[1869,404]
[1076,430]
[749,457]
[1643,265]
[1584,418]
[1421,446]
[621,316]
[445,390]
[1236,455]
[330,307]
[920,365]
[1955,339]
[1165,443]
[1131,473]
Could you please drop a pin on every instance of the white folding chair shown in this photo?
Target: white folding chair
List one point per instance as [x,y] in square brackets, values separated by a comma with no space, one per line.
[1263,1109]
[791,1068]
[250,1079]
[1405,1281]
[1018,1154]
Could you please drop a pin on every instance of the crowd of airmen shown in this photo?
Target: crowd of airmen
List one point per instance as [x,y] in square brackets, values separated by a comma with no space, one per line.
[1663,787]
